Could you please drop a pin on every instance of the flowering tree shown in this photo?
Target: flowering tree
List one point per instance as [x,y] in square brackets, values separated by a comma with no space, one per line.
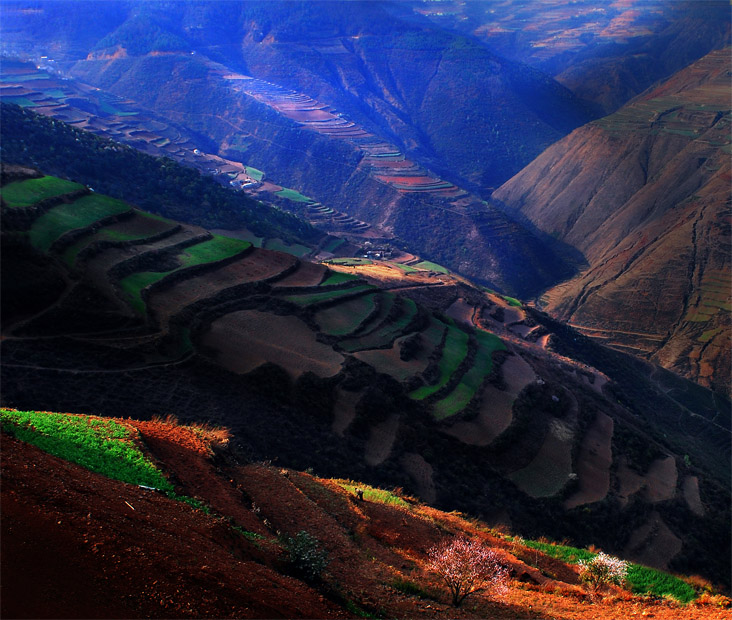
[467,566]
[602,570]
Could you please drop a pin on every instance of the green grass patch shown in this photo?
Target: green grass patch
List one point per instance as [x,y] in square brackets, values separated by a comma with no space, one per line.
[66,217]
[511,301]
[464,391]
[28,77]
[212,250]
[291,194]
[103,446]
[425,264]
[257,175]
[405,268]
[372,494]
[352,261]
[453,353]
[346,317]
[316,298]
[338,277]
[30,191]
[23,102]
[641,579]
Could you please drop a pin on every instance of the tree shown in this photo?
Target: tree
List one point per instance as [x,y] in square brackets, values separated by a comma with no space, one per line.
[603,570]
[467,566]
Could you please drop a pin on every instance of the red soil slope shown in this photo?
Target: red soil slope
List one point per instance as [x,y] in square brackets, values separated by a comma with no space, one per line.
[78,545]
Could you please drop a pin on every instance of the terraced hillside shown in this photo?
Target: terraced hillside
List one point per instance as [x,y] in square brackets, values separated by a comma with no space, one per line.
[322,367]
[161,519]
[644,194]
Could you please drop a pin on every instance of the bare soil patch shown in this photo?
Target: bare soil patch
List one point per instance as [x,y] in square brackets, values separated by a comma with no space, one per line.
[307,274]
[244,340]
[593,463]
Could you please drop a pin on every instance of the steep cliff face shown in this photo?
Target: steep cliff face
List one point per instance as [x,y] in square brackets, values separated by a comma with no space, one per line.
[644,194]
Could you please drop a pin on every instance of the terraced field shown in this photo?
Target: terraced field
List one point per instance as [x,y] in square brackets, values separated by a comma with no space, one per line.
[464,391]
[387,333]
[345,318]
[454,351]
[31,191]
[82,213]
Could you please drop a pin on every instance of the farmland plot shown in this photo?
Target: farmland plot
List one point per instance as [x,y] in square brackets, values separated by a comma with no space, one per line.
[244,340]
[453,353]
[346,317]
[81,213]
[385,335]
[30,191]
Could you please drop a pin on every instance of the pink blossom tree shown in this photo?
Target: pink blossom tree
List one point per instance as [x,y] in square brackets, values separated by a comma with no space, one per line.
[467,566]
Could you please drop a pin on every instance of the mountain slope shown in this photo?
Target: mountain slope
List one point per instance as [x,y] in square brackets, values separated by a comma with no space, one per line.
[644,194]
[401,385]
[104,548]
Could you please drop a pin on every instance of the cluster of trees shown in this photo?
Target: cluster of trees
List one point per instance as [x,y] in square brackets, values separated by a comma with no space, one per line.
[158,185]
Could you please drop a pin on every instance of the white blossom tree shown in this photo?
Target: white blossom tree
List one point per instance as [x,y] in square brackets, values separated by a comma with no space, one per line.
[603,570]
[467,566]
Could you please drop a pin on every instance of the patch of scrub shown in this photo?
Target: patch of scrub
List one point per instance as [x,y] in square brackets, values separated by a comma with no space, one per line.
[247,339]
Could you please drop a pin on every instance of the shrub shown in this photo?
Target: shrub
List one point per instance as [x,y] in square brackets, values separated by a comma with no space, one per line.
[467,566]
[306,556]
[603,570]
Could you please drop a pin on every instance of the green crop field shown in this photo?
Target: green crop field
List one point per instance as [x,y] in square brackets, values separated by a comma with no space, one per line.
[212,250]
[386,334]
[291,194]
[31,191]
[405,268]
[425,264]
[103,446]
[316,298]
[346,317]
[337,277]
[209,251]
[463,393]
[641,579]
[453,353]
[66,217]
[257,175]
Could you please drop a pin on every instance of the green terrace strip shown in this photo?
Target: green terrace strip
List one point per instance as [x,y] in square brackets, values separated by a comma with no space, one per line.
[79,214]
[405,268]
[350,261]
[336,277]
[425,264]
[125,231]
[291,194]
[464,391]
[385,335]
[371,494]
[103,446]
[641,579]
[453,353]
[29,192]
[316,298]
[209,251]
[511,301]
[333,245]
[346,317]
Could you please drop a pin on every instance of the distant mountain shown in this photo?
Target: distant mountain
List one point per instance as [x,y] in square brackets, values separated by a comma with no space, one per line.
[605,53]
[644,195]
[374,370]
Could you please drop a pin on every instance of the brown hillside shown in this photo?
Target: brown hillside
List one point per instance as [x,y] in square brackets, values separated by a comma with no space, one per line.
[644,194]
[76,544]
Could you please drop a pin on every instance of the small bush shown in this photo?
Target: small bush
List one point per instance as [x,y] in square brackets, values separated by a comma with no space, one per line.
[306,556]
